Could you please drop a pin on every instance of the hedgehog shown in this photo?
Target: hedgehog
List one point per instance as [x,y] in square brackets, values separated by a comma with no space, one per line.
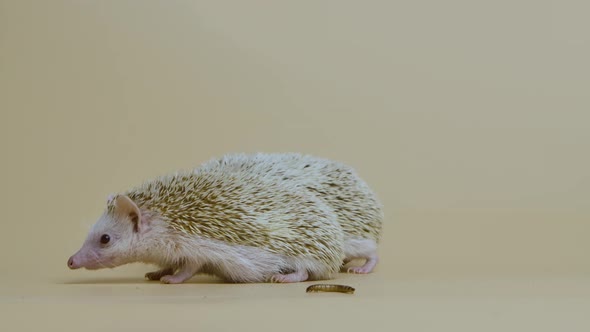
[244,218]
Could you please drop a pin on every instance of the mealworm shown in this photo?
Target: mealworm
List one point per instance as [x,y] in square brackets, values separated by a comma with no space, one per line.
[330,288]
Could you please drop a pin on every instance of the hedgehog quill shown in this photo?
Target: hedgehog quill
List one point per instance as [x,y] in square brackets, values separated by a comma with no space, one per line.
[245,218]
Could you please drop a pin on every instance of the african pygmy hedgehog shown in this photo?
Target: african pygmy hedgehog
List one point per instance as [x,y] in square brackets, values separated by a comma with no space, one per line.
[264,217]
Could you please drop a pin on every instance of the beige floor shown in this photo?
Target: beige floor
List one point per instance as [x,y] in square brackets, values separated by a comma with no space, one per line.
[469,119]
[453,304]
[495,288]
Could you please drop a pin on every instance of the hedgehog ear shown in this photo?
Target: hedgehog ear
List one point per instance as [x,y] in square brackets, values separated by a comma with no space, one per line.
[126,208]
[110,198]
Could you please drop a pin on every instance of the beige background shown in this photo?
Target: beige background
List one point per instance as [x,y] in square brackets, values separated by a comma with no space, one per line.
[469,118]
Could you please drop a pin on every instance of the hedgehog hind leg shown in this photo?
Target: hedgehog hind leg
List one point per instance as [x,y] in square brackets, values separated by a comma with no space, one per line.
[361,249]
[368,267]
[297,276]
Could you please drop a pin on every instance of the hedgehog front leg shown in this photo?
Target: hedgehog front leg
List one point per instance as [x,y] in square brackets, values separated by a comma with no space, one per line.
[183,274]
[157,275]
[298,276]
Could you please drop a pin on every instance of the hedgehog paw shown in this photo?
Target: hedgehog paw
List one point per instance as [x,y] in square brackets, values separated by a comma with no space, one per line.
[157,275]
[358,270]
[182,275]
[290,278]
[367,267]
[173,279]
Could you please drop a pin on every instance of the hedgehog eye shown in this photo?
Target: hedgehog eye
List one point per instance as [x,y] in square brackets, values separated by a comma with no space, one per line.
[105,238]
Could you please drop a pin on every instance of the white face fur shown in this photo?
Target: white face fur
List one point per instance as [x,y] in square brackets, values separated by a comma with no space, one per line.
[112,238]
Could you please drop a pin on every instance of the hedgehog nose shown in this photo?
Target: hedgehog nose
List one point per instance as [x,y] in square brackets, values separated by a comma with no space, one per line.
[71,263]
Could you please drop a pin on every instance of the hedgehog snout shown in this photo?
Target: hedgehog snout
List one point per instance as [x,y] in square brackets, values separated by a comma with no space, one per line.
[76,261]
[72,264]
